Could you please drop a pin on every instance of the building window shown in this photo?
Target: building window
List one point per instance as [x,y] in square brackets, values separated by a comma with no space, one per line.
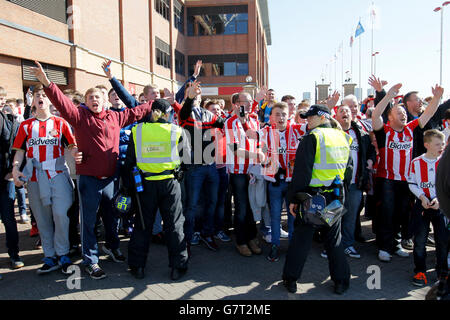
[178,16]
[55,9]
[179,63]
[162,53]
[163,8]
[227,65]
[217,20]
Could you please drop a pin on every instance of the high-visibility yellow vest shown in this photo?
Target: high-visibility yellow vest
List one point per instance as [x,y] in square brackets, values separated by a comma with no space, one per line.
[332,152]
[156,148]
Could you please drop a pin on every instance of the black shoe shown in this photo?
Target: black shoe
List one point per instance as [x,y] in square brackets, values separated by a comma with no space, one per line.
[177,273]
[65,263]
[159,238]
[340,287]
[74,251]
[209,242]
[137,272]
[116,255]
[291,286]
[95,271]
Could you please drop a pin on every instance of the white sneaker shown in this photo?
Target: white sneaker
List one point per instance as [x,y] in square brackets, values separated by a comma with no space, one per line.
[268,238]
[283,234]
[24,218]
[402,253]
[384,256]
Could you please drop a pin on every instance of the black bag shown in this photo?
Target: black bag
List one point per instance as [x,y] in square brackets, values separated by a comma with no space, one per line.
[316,211]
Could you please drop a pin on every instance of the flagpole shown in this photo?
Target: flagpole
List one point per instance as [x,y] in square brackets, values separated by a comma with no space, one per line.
[371,52]
[342,68]
[335,70]
[351,60]
[360,89]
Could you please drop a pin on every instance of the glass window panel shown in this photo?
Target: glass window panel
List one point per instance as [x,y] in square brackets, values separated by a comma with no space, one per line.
[229,68]
[241,27]
[242,69]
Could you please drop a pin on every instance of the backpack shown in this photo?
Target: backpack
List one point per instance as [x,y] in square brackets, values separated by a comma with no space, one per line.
[8,131]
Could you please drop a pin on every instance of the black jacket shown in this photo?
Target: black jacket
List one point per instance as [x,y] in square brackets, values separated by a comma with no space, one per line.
[304,163]
[366,151]
[443,182]
[197,122]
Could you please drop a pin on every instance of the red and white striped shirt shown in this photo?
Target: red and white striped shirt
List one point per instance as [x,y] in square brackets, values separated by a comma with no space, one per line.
[235,134]
[395,151]
[280,148]
[220,144]
[44,140]
[422,177]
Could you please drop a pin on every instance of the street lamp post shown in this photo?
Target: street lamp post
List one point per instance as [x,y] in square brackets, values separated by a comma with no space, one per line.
[441,9]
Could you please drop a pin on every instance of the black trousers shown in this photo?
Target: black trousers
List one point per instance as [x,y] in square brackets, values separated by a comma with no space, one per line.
[300,245]
[244,224]
[422,218]
[393,215]
[164,195]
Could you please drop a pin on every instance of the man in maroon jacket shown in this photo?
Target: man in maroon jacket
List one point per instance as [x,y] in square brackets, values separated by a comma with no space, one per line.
[97,134]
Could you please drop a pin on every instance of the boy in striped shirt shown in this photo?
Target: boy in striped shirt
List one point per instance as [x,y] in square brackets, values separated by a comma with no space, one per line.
[41,140]
[422,180]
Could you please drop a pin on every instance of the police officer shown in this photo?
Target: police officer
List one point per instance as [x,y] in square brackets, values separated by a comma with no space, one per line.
[322,155]
[155,149]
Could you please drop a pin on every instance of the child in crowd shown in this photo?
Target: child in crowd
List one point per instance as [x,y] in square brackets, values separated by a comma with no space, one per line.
[426,209]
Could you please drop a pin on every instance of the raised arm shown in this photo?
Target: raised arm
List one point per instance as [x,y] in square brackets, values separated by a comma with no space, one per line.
[333,100]
[432,107]
[192,92]
[377,120]
[378,86]
[123,94]
[179,97]
[63,104]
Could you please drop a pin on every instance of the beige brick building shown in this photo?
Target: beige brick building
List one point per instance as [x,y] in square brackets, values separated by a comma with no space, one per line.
[148,41]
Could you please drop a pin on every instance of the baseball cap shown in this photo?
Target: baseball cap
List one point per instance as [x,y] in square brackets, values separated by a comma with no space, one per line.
[317,110]
[162,104]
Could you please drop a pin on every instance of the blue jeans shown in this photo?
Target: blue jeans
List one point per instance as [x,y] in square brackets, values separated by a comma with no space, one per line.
[278,194]
[352,202]
[21,198]
[422,219]
[222,194]
[7,197]
[196,177]
[92,192]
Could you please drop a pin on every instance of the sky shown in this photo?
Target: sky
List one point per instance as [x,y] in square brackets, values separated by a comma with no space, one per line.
[307,34]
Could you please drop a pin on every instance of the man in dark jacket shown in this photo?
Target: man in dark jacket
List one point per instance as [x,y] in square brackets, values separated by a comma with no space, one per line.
[8,130]
[306,168]
[364,156]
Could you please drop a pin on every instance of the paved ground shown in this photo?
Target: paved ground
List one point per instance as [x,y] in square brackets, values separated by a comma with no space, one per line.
[211,276]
